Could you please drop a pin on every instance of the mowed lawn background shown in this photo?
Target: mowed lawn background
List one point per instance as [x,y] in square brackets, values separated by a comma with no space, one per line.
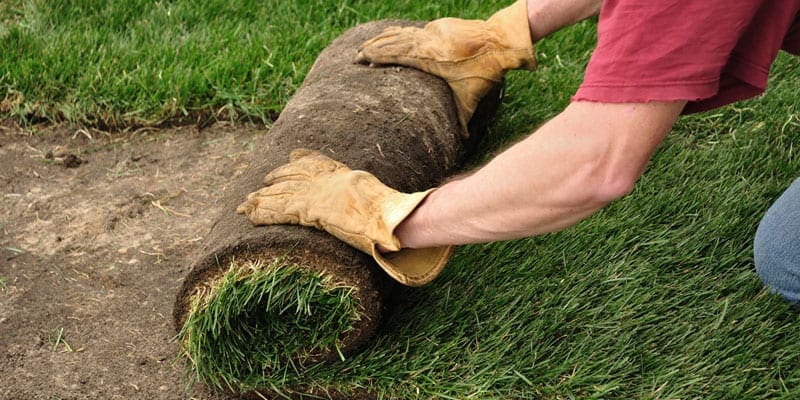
[655,297]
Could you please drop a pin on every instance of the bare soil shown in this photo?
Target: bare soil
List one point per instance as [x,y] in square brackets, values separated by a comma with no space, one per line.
[96,234]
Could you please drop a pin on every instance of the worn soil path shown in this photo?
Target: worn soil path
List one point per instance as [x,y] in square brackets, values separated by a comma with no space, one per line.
[96,233]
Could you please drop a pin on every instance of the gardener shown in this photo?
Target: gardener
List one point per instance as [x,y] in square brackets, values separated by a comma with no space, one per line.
[654,61]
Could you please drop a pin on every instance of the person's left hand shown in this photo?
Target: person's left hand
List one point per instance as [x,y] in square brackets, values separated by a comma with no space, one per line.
[471,55]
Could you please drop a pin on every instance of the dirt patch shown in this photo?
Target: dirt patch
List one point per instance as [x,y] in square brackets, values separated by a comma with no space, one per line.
[96,232]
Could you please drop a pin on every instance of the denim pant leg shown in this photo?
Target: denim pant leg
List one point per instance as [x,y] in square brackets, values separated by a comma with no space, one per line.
[777,245]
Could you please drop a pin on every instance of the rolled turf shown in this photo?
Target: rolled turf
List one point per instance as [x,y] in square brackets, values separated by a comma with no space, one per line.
[258,318]
[263,305]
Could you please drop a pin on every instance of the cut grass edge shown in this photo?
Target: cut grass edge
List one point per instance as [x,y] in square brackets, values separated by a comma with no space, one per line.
[258,326]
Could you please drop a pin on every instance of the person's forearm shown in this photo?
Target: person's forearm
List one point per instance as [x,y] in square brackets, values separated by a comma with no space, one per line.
[584,158]
[548,16]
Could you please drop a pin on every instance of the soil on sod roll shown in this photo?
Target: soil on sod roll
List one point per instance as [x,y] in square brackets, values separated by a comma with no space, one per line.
[399,124]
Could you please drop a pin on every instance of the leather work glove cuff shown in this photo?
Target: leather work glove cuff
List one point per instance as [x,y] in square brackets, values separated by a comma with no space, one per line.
[411,267]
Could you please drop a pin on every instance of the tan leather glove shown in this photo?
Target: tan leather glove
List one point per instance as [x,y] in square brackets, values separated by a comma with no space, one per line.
[314,190]
[471,55]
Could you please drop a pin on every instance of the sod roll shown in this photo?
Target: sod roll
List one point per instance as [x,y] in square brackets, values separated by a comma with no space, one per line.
[262,304]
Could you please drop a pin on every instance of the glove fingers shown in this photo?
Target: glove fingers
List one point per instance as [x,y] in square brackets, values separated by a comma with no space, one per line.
[298,154]
[387,33]
[303,165]
[399,50]
[270,205]
[287,173]
[401,46]
[314,157]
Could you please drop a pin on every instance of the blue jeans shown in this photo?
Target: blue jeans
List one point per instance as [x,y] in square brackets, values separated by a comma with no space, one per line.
[777,245]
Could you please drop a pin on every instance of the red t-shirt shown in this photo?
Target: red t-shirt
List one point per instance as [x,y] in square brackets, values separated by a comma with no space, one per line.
[709,52]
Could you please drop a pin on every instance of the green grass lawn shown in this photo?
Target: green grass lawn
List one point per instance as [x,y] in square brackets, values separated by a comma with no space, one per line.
[655,297]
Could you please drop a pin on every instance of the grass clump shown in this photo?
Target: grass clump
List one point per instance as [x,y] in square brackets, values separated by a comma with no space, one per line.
[257,325]
[121,64]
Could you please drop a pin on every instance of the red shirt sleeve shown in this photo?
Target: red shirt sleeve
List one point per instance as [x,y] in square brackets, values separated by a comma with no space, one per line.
[791,42]
[708,52]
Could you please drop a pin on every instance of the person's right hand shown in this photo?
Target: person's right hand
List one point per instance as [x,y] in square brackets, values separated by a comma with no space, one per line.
[354,206]
[471,55]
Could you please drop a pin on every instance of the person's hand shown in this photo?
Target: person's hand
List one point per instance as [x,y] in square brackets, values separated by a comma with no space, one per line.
[471,55]
[314,190]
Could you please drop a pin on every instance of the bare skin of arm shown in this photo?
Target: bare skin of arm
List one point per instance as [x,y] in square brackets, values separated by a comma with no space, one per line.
[567,170]
[552,15]
[572,166]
